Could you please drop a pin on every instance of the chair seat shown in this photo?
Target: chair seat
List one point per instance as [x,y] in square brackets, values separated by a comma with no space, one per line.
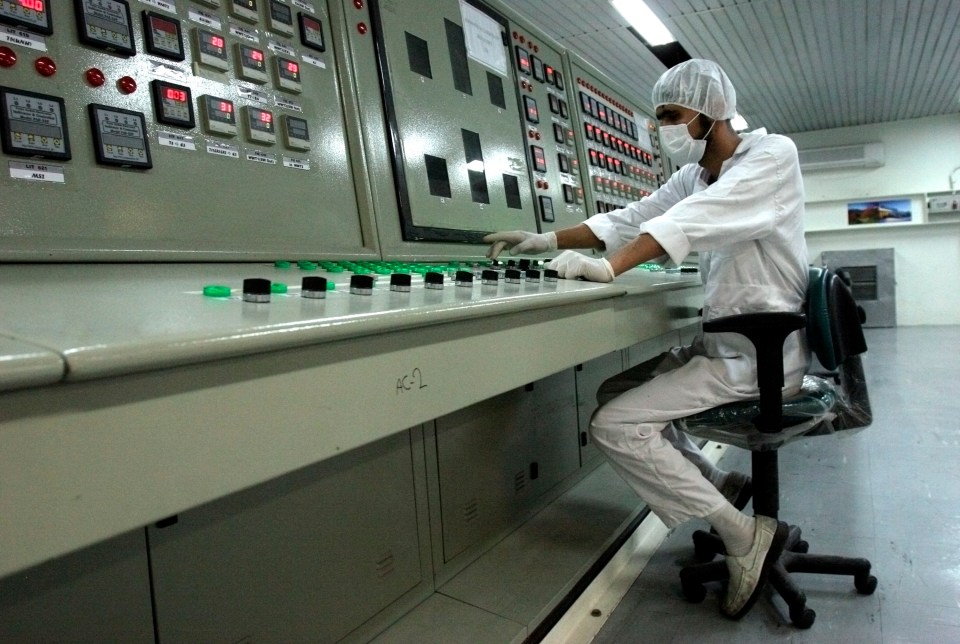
[733,423]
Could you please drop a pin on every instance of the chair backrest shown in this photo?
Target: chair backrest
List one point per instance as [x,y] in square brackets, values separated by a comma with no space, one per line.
[834,321]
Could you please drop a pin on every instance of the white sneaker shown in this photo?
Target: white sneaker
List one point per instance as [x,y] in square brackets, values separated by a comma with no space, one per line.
[747,573]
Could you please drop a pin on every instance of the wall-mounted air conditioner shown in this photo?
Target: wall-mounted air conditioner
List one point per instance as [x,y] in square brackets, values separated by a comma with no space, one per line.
[862,155]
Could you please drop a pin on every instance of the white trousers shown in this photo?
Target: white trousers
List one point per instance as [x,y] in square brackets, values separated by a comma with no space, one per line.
[633,428]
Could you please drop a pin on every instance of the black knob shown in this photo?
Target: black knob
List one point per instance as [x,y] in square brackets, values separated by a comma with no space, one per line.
[533,275]
[524,264]
[464,278]
[314,287]
[550,275]
[361,284]
[490,277]
[400,282]
[256,289]
[433,280]
[512,276]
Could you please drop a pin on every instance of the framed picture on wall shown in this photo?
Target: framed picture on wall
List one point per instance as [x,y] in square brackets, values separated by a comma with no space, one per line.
[885,211]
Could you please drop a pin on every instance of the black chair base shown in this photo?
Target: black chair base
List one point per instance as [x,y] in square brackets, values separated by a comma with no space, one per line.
[795,559]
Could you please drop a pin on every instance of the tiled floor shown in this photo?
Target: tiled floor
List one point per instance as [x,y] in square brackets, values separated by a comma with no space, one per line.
[890,493]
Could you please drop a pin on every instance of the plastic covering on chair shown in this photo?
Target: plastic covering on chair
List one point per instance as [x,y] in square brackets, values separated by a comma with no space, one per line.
[836,400]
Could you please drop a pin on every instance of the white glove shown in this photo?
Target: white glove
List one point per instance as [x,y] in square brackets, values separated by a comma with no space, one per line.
[519,241]
[571,265]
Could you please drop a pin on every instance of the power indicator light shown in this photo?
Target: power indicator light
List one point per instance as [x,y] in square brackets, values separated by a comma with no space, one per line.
[362,28]
[45,66]
[127,85]
[8,57]
[95,77]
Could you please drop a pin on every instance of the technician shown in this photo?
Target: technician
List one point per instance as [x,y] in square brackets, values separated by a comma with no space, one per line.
[738,202]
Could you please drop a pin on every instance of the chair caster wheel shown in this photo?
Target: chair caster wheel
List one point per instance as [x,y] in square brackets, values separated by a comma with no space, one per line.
[694,592]
[865,584]
[801,546]
[702,553]
[802,617]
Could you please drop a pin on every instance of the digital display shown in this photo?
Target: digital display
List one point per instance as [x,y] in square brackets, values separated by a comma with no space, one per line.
[548,72]
[311,32]
[281,17]
[212,49]
[252,62]
[537,65]
[585,103]
[558,134]
[539,158]
[162,36]
[244,9]
[32,14]
[297,132]
[120,137]
[601,111]
[530,106]
[564,162]
[546,208]
[34,125]
[172,104]
[523,60]
[260,125]
[588,131]
[288,73]
[106,24]
[554,104]
[221,109]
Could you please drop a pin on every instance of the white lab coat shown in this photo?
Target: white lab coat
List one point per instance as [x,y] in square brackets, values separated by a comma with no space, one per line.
[747,228]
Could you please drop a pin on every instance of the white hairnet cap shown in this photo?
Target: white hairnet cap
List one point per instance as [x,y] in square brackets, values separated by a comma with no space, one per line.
[700,85]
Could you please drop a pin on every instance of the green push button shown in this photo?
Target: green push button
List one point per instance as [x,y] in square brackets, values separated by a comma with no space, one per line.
[216,290]
[278,287]
[281,263]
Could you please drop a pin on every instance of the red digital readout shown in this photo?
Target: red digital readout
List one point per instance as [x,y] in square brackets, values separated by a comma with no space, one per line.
[293,68]
[266,117]
[175,94]
[226,107]
[217,41]
[36,5]
[257,55]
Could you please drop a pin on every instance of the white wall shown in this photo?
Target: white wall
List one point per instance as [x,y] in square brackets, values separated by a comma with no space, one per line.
[920,156]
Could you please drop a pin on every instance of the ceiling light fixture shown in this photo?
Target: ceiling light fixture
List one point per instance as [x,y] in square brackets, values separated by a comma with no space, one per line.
[641,18]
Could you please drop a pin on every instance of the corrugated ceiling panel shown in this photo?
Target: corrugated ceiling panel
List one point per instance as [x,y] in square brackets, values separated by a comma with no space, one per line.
[798,65]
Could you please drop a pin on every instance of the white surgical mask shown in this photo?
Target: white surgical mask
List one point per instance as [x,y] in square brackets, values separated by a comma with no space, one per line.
[682,147]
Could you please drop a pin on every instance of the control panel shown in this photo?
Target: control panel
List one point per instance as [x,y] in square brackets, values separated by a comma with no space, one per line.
[459,159]
[551,142]
[162,129]
[620,152]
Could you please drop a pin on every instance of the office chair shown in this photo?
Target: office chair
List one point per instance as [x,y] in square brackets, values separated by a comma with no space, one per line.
[828,402]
